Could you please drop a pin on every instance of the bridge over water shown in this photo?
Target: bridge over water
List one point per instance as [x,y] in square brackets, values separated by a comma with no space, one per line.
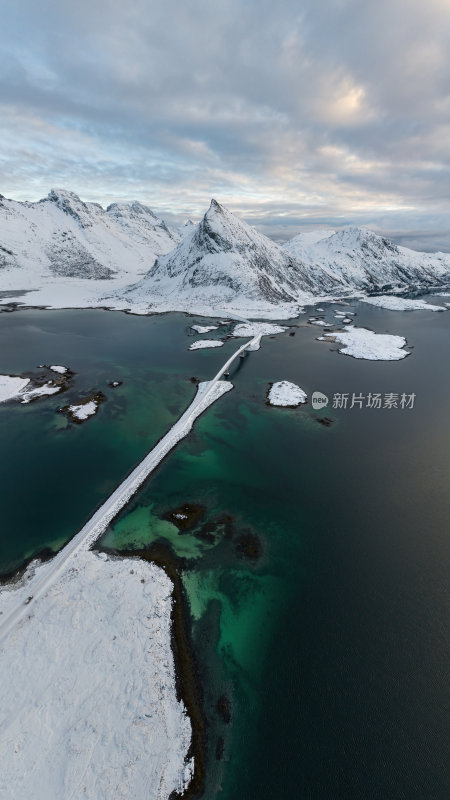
[207,393]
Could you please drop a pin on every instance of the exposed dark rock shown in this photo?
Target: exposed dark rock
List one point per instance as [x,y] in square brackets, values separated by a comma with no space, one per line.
[224,709]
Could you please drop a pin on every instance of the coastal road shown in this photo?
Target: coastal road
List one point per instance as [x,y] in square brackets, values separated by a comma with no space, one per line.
[207,393]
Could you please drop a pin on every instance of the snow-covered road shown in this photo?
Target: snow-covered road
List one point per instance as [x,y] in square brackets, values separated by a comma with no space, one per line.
[207,393]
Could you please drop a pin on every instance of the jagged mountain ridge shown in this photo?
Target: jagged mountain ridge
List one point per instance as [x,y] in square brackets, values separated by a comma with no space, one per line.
[223,259]
[62,236]
[49,245]
[361,259]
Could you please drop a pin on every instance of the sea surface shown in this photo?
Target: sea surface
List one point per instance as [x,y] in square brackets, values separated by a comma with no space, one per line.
[316,578]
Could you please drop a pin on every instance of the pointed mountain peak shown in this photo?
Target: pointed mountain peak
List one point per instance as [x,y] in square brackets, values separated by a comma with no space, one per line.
[71,204]
[217,211]
[64,197]
[220,221]
[354,236]
[215,206]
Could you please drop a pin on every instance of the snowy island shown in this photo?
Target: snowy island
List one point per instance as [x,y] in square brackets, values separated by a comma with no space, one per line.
[286,394]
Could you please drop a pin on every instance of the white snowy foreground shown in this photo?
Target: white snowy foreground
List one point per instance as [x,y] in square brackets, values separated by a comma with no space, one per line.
[204,343]
[362,343]
[401,304]
[284,393]
[87,698]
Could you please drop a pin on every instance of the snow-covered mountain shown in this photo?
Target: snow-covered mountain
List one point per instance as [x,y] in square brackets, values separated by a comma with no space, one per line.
[359,258]
[63,236]
[223,261]
[63,252]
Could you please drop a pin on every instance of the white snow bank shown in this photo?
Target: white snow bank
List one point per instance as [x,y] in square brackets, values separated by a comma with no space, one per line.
[61,370]
[362,343]
[203,343]
[204,328]
[401,304]
[11,386]
[257,329]
[40,391]
[284,393]
[87,696]
[84,410]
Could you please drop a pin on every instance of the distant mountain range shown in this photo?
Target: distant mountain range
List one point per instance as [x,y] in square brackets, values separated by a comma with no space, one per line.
[63,236]
[359,258]
[221,262]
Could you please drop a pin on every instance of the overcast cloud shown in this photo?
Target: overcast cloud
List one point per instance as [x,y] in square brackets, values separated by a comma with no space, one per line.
[291,113]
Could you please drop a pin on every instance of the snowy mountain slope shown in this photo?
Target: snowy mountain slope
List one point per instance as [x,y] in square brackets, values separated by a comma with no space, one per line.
[361,259]
[61,236]
[222,261]
[62,252]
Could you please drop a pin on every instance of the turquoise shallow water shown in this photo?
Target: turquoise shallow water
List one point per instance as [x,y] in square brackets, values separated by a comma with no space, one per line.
[330,645]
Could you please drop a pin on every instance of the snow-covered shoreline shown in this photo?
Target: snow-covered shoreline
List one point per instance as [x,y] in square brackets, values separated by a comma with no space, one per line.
[11,387]
[204,344]
[24,390]
[365,344]
[393,303]
[88,699]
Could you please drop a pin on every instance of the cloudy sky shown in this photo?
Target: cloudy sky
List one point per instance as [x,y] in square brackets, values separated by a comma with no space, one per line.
[293,113]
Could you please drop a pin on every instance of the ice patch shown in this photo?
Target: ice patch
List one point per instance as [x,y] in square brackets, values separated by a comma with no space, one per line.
[204,343]
[204,328]
[320,322]
[61,370]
